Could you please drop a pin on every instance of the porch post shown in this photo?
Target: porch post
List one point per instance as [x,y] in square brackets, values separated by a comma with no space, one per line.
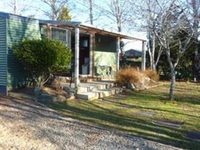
[117,53]
[143,64]
[76,57]
[92,40]
[49,32]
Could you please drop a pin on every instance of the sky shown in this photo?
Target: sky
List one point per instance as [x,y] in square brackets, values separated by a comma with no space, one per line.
[78,10]
[35,8]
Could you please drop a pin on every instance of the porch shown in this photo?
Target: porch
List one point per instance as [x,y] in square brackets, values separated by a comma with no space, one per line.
[91,46]
[95,55]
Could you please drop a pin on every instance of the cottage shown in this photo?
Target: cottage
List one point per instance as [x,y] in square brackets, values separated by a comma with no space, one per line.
[96,51]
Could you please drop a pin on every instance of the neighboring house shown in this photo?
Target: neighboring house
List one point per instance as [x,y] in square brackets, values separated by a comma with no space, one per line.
[96,51]
[131,58]
[132,53]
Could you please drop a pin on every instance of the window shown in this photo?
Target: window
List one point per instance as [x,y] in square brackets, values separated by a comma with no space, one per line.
[60,34]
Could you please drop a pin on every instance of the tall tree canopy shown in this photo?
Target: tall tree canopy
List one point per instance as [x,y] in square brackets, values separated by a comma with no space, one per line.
[64,14]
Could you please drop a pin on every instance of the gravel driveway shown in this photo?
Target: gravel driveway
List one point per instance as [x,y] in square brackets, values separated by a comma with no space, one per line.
[28,125]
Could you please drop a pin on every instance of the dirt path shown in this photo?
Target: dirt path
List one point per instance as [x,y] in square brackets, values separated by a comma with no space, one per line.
[27,125]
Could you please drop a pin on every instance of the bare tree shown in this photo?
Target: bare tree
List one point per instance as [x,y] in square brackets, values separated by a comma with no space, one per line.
[91,11]
[112,9]
[147,11]
[18,6]
[116,11]
[13,4]
[173,28]
[194,6]
[55,7]
[119,12]
[152,12]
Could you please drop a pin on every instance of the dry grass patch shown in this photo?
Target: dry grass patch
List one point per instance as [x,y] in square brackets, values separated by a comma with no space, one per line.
[140,79]
[128,75]
[153,75]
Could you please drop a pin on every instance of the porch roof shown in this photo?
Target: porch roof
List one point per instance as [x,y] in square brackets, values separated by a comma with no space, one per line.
[88,28]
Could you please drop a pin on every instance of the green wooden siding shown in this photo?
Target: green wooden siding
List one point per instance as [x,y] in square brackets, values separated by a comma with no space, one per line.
[19,28]
[105,59]
[3,55]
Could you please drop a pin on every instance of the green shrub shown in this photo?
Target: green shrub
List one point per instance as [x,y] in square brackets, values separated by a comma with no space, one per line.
[40,58]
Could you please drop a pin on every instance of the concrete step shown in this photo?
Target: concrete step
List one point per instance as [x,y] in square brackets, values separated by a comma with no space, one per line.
[93,87]
[103,85]
[83,89]
[98,94]
[108,92]
[87,95]
[94,90]
[89,87]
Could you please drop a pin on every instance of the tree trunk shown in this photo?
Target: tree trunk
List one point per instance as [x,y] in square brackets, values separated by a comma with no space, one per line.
[91,12]
[195,71]
[150,58]
[172,84]
[154,67]
[119,27]
[153,51]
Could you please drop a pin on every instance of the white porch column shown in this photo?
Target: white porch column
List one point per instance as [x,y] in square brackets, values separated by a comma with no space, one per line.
[117,52]
[92,40]
[143,64]
[76,57]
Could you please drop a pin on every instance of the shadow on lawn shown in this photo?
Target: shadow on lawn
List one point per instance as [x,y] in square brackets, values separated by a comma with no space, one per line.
[123,105]
[132,125]
[183,98]
[154,97]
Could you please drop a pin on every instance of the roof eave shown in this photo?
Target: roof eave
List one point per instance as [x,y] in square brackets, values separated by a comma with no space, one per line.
[101,30]
[89,28]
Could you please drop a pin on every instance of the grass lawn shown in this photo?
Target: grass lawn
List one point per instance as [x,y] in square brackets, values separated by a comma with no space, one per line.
[139,113]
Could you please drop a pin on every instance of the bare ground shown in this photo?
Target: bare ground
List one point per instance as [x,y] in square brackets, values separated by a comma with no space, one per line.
[25,125]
